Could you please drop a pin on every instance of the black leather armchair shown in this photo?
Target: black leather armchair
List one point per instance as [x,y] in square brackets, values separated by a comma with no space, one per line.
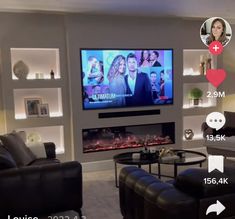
[36,186]
[41,190]
[143,196]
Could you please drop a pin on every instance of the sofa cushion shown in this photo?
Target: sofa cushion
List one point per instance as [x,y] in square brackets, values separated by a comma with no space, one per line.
[17,148]
[6,160]
[230,119]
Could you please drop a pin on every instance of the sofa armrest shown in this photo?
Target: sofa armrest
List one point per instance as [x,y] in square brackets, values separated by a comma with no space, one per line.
[43,150]
[191,181]
[41,190]
[50,149]
[144,196]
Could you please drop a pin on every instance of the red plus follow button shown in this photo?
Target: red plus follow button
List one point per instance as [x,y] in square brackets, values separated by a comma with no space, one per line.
[216,48]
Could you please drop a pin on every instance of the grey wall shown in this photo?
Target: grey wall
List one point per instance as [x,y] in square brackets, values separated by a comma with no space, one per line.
[126,32]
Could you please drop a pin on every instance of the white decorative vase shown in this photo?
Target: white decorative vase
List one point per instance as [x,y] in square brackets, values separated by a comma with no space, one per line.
[21,70]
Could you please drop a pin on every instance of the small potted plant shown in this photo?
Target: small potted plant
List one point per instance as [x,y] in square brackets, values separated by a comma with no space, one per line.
[195,95]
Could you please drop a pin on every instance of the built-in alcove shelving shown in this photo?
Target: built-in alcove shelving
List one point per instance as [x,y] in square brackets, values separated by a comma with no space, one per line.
[195,64]
[45,86]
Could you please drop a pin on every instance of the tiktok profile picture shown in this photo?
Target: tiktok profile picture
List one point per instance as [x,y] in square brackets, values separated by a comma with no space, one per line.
[216,29]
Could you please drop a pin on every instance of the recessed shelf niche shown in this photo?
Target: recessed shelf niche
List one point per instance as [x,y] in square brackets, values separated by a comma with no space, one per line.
[205,101]
[194,123]
[40,62]
[192,59]
[53,134]
[51,96]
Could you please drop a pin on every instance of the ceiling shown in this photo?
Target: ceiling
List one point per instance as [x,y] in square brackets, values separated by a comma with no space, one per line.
[179,8]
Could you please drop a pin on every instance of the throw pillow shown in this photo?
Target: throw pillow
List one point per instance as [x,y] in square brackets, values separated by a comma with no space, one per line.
[21,134]
[6,160]
[230,119]
[17,148]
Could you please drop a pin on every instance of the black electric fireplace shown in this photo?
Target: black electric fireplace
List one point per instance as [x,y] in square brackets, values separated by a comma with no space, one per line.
[121,137]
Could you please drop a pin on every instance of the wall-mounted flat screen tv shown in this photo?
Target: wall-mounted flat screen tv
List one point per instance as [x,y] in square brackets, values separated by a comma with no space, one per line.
[115,78]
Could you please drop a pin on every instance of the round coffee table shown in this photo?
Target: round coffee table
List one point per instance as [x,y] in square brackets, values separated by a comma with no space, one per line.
[190,158]
[126,159]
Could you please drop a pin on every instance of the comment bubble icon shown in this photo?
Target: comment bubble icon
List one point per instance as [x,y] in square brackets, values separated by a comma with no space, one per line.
[215,120]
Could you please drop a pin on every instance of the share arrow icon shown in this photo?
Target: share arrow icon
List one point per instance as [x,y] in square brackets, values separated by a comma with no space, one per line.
[218,208]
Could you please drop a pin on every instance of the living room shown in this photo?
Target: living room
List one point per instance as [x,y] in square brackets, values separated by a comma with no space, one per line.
[56,34]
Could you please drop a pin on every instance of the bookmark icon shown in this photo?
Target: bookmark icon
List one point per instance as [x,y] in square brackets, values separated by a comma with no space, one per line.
[215,162]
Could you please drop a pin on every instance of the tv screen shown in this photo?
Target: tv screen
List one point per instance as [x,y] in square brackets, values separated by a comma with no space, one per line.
[126,77]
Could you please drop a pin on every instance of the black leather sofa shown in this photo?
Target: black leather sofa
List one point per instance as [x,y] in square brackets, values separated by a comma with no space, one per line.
[143,196]
[36,187]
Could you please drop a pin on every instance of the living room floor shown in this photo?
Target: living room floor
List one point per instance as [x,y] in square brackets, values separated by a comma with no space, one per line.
[101,197]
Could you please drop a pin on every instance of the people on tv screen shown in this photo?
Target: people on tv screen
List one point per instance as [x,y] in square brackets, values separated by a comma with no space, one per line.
[126,78]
